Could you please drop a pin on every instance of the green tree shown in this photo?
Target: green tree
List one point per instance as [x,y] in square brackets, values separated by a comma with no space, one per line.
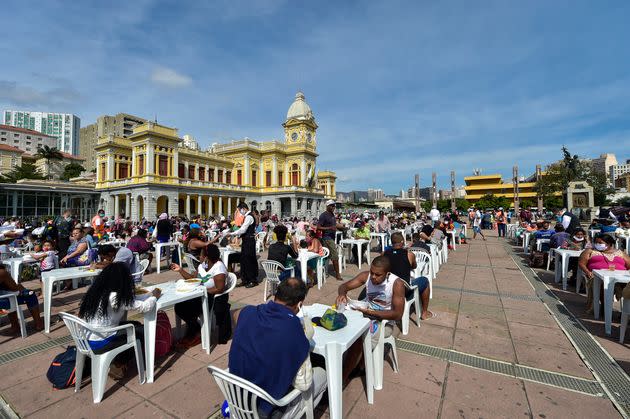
[25,171]
[72,170]
[493,201]
[570,169]
[48,153]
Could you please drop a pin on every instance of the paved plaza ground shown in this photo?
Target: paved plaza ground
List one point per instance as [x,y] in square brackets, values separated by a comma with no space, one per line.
[495,349]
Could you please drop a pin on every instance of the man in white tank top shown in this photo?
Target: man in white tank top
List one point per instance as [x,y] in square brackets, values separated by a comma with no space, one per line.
[385,294]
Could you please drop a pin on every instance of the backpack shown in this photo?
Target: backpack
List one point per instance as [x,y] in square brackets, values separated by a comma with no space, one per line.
[61,372]
[163,334]
[537,259]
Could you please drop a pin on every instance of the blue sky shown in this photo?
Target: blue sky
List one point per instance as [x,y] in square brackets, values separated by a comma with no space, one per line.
[397,87]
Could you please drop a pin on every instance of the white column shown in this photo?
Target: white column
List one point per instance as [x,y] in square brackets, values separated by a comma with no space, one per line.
[207,173]
[274,173]
[303,173]
[246,171]
[128,205]
[216,173]
[175,167]
[229,205]
[186,170]
[150,163]
[293,206]
[110,168]
[220,205]
[116,206]
[188,206]
[134,166]
[287,176]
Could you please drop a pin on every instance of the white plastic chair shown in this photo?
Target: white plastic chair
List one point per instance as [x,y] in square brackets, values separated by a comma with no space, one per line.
[80,331]
[242,396]
[322,264]
[424,267]
[15,307]
[378,354]
[444,251]
[625,312]
[341,257]
[260,241]
[408,303]
[272,270]
[137,277]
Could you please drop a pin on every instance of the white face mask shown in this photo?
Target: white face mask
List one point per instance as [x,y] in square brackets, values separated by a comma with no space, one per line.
[243,211]
[600,246]
[578,239]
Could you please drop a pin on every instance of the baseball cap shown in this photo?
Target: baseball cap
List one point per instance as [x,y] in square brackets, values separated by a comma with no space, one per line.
[330,202]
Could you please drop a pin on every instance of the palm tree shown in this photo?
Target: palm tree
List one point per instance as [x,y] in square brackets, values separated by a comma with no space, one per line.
[25,171]
[48,153]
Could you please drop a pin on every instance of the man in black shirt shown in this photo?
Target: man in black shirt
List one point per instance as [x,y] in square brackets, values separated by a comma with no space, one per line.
[247,233]
[279,251]
[328,225]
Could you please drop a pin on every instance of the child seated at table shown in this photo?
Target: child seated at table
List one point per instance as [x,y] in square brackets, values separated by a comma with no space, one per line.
[45,256]
[28,297]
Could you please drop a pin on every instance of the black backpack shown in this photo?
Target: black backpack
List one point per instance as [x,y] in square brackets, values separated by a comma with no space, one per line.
[61,372]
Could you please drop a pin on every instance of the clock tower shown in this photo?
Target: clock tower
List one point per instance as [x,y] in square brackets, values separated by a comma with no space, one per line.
[300,125]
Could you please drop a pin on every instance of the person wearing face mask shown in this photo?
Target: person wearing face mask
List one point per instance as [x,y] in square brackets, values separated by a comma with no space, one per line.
[98,224]
[602,256]
[247,233]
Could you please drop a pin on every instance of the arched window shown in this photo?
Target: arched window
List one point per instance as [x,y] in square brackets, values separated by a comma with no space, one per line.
[295,175]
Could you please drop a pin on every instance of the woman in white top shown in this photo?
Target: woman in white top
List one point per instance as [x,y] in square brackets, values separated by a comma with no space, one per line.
[106,303]
[214,276]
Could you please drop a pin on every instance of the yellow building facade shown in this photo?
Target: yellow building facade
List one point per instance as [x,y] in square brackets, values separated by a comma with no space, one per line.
[155,171]
[478,186]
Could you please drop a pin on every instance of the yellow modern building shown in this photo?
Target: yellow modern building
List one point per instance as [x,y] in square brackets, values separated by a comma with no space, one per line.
[154,171]
[480,185]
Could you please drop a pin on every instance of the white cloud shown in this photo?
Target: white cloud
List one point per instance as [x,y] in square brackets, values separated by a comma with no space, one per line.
[168,77]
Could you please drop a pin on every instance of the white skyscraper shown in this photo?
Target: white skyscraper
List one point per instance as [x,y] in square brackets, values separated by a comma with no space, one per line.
[63,126]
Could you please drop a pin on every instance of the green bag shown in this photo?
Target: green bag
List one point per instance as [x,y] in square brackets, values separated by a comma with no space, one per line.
[331,320]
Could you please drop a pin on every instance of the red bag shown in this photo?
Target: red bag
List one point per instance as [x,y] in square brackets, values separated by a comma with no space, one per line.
[163,335]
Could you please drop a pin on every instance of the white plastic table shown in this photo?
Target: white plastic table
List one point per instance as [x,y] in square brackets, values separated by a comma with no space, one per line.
[332,345]
[562,266]
[158,248]
[116,243]
[609,278]
[14,264]
[303,257]
[50,277]
[359,244]
[225,254]
[382,237]
[170,296]
[338,236]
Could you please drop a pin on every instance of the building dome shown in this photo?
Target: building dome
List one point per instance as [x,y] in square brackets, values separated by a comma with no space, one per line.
[299,109]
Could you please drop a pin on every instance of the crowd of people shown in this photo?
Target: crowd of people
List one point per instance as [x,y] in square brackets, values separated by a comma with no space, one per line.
[271,336]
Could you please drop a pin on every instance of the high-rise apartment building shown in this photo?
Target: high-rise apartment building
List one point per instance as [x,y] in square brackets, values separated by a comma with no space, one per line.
[375,194]
[617,170]
[120,125]
[63,126]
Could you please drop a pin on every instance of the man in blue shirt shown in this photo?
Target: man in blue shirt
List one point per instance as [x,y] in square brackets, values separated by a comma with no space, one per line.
[269,347]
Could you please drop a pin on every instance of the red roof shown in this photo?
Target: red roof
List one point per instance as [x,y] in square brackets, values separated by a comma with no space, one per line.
[5,147]
[24,130]
[71,156]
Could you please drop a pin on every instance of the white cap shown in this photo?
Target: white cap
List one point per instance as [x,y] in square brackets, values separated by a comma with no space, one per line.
[330,202]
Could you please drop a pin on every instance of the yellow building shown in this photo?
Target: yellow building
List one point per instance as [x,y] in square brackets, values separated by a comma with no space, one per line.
[154,171]
[480,185]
